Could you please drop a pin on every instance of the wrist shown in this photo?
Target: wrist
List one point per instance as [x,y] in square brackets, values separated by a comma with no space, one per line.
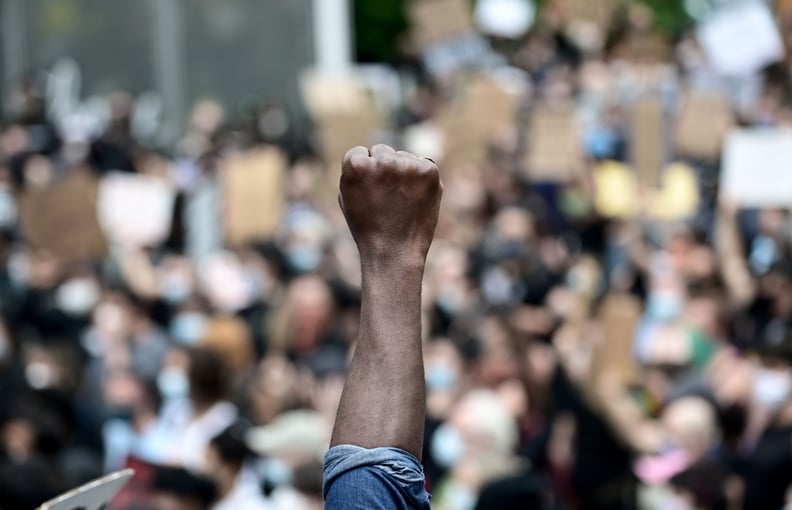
[395,266]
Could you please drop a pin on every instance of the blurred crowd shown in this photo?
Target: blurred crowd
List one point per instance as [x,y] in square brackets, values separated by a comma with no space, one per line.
[573,359]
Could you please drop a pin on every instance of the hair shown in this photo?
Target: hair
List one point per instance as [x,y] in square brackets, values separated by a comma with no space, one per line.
[207,375]
[230,444]
[181,483]
[27,484]
[705,483]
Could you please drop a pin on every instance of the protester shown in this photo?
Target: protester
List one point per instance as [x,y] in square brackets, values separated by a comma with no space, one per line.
[604,314]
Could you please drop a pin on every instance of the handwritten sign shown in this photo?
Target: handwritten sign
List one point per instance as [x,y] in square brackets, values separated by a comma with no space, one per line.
[62,219]
[702,125]
[253,191]
[435,21]
[95,495]
[756,170]
[135,210]
[553,151]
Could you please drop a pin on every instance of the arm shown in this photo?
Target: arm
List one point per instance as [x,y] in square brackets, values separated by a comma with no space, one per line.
[733,267]
[391,202]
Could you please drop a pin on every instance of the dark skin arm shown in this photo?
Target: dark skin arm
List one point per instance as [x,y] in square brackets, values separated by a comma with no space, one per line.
[391,201]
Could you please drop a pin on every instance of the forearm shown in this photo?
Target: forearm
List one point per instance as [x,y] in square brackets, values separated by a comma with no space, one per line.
[732,264]
[383,402]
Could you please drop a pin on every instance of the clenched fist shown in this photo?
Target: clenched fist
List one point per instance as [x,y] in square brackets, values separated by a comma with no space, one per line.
[391,201]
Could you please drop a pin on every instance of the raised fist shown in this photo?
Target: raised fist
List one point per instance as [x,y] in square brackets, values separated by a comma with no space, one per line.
[391,201]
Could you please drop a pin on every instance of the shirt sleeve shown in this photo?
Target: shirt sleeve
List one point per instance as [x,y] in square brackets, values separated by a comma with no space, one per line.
[375,479]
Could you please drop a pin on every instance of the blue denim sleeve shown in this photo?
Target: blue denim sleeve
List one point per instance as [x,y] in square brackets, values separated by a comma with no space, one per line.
[373,479]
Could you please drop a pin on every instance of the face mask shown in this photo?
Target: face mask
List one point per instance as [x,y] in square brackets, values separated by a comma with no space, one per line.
[188,327]
[497,287]
[77,297]
[176,290]
[460,497]
[664,307]
[763,254]
[275,472]
[121,413]
[771,388]
[39,375]
[447,446]
[450,299]
[304,258]
[173,384]
[440,377]
[4,349]
[8,210]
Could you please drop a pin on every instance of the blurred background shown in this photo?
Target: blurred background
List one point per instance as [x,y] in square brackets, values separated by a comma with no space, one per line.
[606,307]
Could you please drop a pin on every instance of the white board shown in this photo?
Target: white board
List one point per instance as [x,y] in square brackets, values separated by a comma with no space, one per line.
[757,167]
[94,495]
[135,210]
[742,39]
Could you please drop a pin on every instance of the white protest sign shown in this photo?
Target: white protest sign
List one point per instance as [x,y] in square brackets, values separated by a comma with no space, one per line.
[135,210]
[505,18]
[757,167]
[95,495]
[741,39]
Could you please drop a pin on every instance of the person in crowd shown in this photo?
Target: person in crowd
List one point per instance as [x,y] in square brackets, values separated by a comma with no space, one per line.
[228,464]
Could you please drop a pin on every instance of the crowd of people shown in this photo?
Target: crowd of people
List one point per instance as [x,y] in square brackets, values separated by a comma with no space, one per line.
[573,359]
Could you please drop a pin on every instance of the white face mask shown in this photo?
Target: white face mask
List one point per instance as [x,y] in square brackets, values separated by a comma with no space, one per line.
[77,296]
[771,388]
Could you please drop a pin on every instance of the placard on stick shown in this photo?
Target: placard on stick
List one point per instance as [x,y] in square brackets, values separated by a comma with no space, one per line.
[484,110]
[553,152]
[613,356]
[253,192]
[95,495]
[62,220]
[648,140]
[702,125]
[435,21]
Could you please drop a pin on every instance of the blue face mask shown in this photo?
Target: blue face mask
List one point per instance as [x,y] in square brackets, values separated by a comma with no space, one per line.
[176,291]
[664,307]
[187,328]
[275,472]
[763,254]
[448,446]
[440,377]
[173,384]
[304,258]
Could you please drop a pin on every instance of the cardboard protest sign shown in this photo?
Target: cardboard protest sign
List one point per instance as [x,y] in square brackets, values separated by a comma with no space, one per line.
[95,495]
[345,115]
[756,168]
[62,219]
[253,194]
[648,140]
[482,111]
[702,124]
[435,21]
[553,151]
[612,356]
[326,94]
[599,13]
[135,210]
[741,39]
